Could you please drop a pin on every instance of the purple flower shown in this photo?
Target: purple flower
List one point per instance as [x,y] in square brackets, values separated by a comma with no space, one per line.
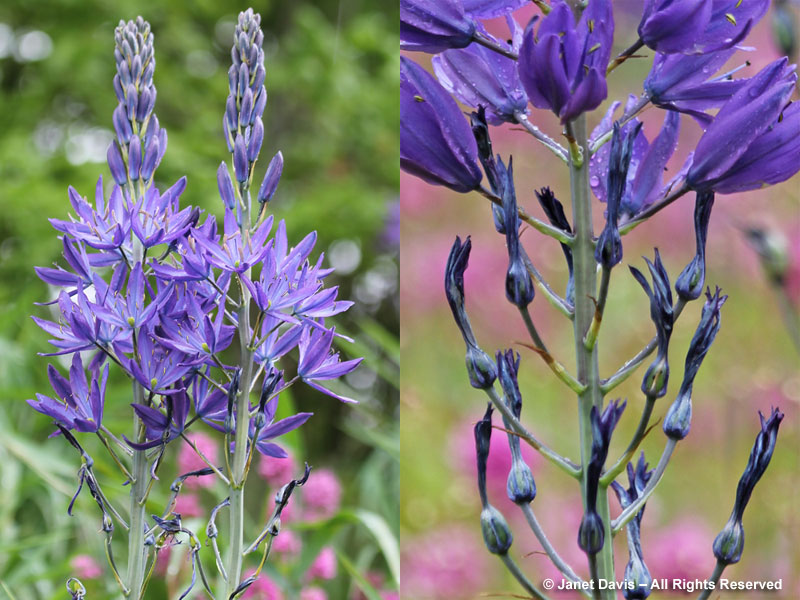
[194,332]
[729,544]
[158,367]
[273,429]
[156,218]
[686,83]
[105,227]
[673,25]
[75,255]
[163,427]
[563,65]
[80,404]
[750,113]
[130,312]
[643,184]
[193,265]
[318,363]
[236,255]
[772,157]
[434,25]
[478,76]
[436,143]
[730,22]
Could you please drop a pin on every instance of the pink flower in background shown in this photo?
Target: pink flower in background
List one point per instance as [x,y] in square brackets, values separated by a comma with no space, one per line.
[313,593]
[449,563]
[376,580]
[286,543]
[188,505]
[188,460]
[277,471]
[682,549]
[322,495]
[162,560]
[263,589]
[85,567]
[324,566]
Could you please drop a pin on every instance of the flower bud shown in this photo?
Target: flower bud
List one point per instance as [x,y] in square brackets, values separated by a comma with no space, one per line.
[520,487]
[134,158]
[637,578]
[690,282]
[260,102]
[151,159]
[729,543]
[519,285]
[480,368]
[678,420]
[591,536]
[225,186]
[271,178]
[116,164]
[122,126]
[496,533]
[247,108]
[256,139]
[240,164]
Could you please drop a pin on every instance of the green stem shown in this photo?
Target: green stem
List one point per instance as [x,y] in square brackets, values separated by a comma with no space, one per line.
[585,268]
[718,569]
[238,472]
[551,552]
[521,578]
[137,556]
[633,508]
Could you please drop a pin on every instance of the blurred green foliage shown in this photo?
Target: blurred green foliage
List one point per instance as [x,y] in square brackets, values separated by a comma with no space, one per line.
[332,111]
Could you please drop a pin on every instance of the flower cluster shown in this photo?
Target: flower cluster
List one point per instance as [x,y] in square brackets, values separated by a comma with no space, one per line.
[162,290]
[560,61]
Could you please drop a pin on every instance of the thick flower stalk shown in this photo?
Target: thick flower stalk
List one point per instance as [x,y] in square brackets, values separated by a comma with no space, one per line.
[159,292]
[560,62]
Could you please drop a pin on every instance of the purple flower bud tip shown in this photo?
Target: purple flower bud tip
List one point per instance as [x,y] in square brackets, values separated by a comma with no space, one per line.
[116,164]
[225,186]
[240,164]
[271,178]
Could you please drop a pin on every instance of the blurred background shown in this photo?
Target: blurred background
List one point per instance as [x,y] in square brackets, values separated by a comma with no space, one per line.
[752,366]
[333,111]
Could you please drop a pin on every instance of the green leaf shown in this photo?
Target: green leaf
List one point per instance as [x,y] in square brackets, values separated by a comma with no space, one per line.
[370,592]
